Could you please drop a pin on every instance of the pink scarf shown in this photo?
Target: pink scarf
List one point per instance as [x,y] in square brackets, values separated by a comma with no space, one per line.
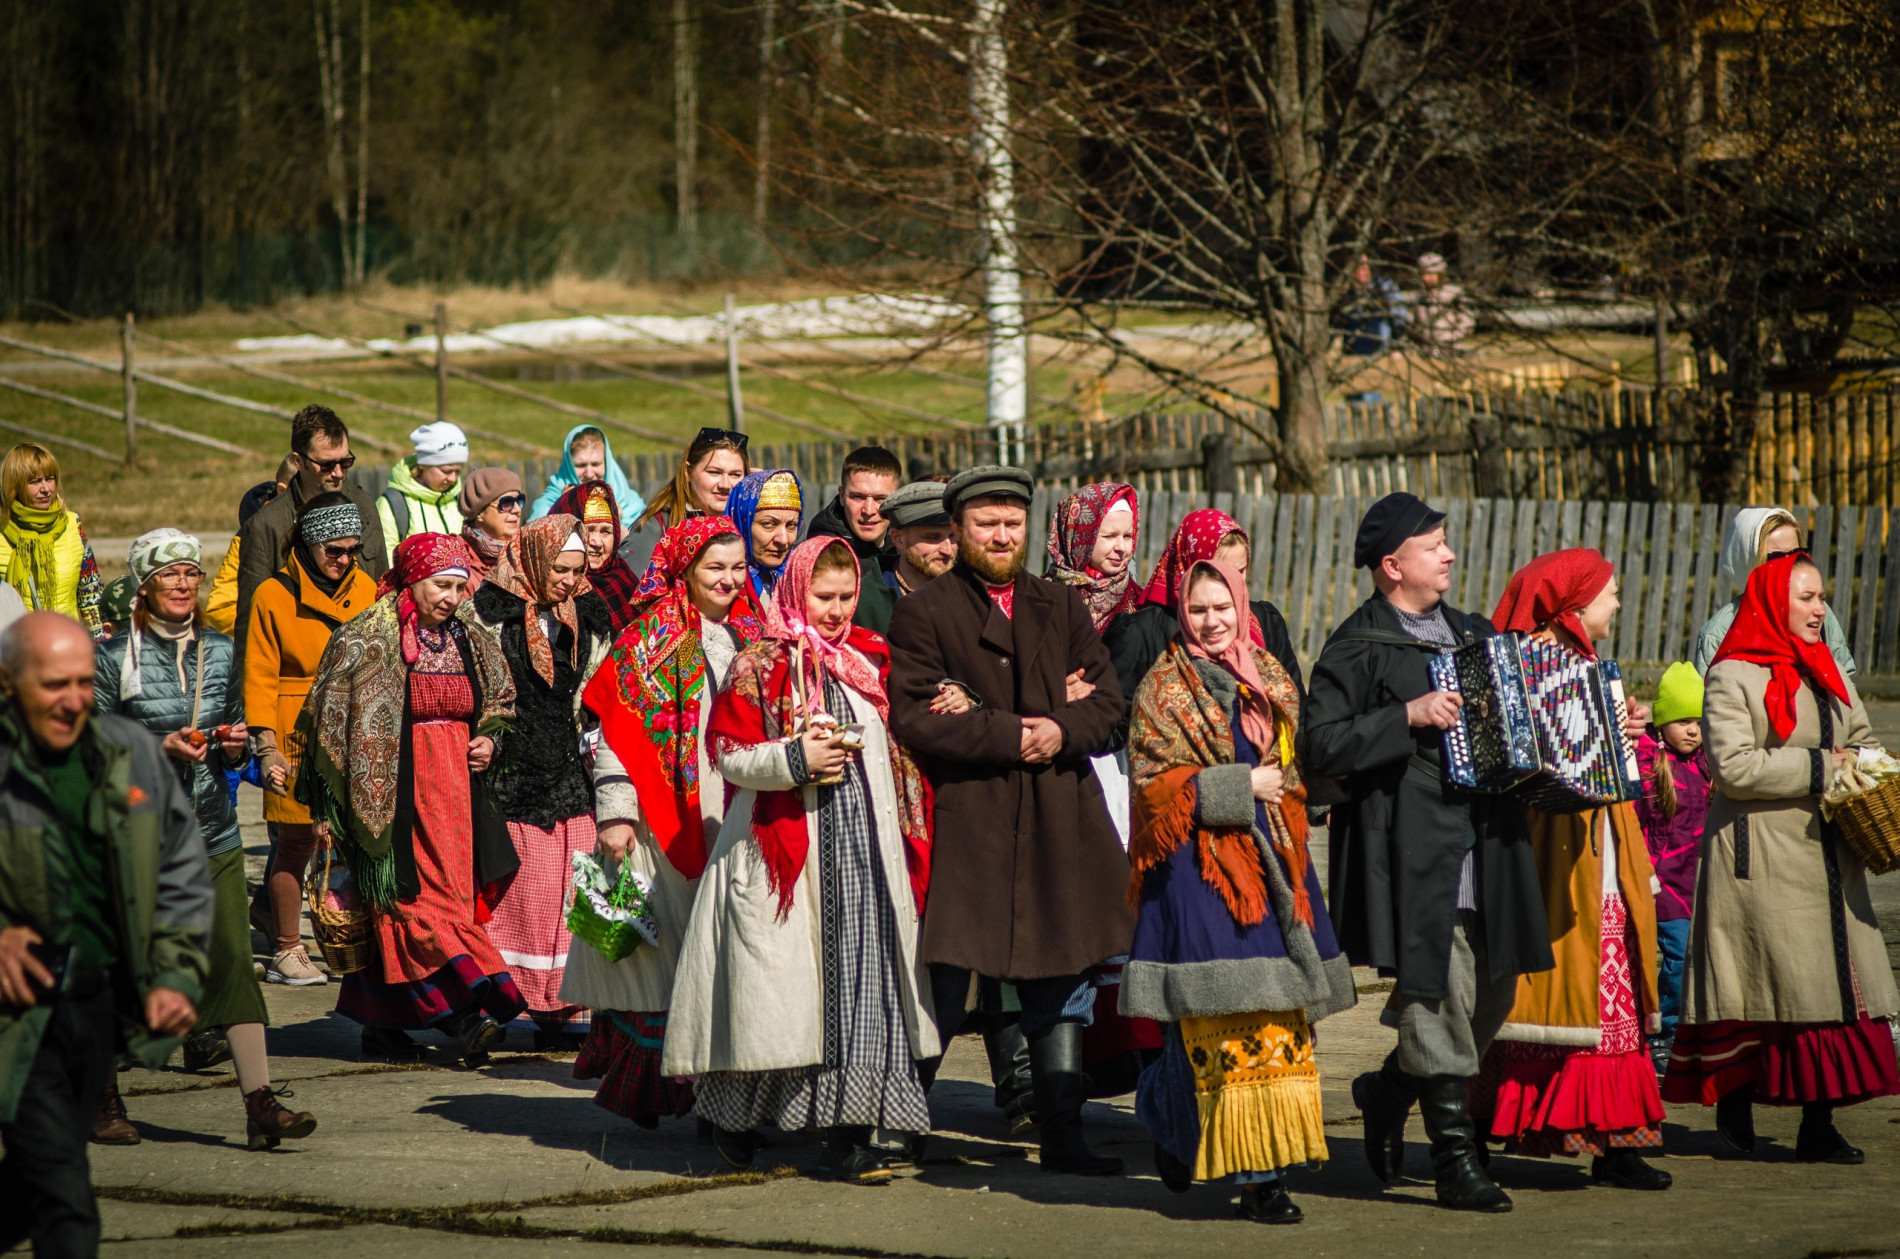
[1256,711]
[785,621]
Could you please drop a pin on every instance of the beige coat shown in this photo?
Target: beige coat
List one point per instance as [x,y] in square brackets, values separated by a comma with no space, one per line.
[749,993]
[1762,943]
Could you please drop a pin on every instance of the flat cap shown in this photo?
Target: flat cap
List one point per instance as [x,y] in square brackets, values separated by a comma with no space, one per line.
[919,503]
[1388,523]
[991,480]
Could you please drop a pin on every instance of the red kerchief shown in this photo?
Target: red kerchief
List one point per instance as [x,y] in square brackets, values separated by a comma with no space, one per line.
[1551,590]
[1761,636]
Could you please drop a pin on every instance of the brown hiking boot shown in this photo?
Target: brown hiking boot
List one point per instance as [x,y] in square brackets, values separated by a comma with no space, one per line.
[110,1126]
[267,1122]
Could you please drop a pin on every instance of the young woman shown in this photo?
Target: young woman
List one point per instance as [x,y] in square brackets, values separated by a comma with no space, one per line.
[403,715]
[659,804]
[1755,534]
[1570,1071]
[44,554]
[1789,990]
[611,577]
[768,506]
[800,1000]
[712,464]
[492,505]
[173,675]
[588,456]
[293,615]
[554,632]
[1233,948]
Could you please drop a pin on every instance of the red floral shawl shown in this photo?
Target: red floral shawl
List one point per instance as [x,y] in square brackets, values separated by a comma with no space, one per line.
[1072,531]
[648,693]
[1197,539]
[1761,636]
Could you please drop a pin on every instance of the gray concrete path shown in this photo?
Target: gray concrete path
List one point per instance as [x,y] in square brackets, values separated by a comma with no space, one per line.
[515,1159]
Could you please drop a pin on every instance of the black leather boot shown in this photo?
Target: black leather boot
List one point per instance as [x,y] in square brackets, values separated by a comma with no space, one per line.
[848,1156]
[1819,1141]
[1625,1169]
[1463,1184]
[1055,1060]
[1015,1083]
[1385,1098]
[1735,1119]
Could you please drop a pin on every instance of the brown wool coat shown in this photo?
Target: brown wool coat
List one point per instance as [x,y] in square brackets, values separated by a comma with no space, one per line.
[1028,878]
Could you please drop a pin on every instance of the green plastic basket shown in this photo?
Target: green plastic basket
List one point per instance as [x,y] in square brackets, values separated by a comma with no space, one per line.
[613,917]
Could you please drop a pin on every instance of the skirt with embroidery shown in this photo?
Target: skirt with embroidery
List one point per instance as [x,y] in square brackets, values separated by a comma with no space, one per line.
[1236,1093]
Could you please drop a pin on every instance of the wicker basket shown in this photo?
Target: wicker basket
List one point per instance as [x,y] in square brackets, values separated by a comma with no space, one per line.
[1871,823]
[342,935]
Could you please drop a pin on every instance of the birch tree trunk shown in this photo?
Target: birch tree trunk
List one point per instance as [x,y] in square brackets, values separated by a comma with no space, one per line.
[768,72]
[1008,403]
[330,91]
[685,127]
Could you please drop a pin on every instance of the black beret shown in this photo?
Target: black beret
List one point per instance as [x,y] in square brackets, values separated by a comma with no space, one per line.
[1388,523]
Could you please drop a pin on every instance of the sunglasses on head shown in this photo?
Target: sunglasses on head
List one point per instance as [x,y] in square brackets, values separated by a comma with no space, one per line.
[327,466]
[1802,551]
[719,437]
[342,552]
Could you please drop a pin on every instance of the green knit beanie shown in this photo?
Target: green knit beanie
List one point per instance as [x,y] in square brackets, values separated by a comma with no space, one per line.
[1678,695]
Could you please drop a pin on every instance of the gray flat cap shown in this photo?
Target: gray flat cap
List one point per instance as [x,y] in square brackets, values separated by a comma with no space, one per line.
[989,481]
[919,503]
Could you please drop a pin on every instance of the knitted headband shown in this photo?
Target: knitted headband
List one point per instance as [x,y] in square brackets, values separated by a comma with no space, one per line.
[327,524]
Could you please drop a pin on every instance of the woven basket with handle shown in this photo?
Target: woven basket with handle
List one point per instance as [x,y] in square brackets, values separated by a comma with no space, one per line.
[342,934]
[1871,823]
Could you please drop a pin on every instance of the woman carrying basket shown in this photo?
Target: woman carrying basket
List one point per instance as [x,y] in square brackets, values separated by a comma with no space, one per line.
[1788,988]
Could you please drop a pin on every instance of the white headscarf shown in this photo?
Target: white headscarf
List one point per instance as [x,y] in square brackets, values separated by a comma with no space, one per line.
[1741,546]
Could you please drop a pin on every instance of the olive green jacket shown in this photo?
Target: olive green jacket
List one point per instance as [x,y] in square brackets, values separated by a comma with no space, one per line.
[157,868]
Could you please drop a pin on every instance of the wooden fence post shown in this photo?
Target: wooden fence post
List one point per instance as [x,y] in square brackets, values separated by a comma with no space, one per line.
[735,401]
[1217,465]
[1487,443]
[441,361]
[128,375]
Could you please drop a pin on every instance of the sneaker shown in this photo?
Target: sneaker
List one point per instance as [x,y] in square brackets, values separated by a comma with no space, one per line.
[293,967]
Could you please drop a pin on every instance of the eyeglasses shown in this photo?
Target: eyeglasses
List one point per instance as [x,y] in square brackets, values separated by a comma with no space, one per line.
[511,502]
[342,552]
[719,437]
[178,577]
[326,466]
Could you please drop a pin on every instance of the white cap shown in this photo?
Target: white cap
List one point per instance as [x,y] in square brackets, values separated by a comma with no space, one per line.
[1432,263]
[439,443]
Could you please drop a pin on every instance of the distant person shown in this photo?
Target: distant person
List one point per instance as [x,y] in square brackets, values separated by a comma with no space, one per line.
[44,554]
[713,462]
[1440,323]
[423,487]
[492,505]
[320,447]
[587,455]
[1372,315]
[129,930]
[1756,535]
[221,607]
[869,476]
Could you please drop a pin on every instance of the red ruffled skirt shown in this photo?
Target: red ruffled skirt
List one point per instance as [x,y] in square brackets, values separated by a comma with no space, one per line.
[1556,1099]
[1788,1063]
[622,1051]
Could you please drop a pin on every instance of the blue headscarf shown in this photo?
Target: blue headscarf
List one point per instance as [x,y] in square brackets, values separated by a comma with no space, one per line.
[742,506]
[625,496]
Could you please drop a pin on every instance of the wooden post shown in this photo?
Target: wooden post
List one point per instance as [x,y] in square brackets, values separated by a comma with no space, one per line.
[1217,465]
[1662,344]
[441,361]
[128,374]
[735,401]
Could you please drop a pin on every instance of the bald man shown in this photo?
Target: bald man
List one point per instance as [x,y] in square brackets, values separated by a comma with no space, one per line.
[105,912]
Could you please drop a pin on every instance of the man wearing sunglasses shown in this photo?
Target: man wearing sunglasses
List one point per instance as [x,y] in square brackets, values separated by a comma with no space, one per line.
[320,449]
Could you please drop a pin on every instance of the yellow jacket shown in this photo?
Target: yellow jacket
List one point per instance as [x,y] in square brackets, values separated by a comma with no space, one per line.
[221,609]
[69,558]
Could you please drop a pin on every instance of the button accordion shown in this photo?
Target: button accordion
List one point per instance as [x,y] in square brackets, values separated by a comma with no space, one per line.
[1540,721]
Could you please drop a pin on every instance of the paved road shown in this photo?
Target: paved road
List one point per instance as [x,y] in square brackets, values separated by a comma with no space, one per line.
[515,1159]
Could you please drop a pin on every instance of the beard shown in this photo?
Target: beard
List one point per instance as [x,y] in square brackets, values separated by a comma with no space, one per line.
[996,570]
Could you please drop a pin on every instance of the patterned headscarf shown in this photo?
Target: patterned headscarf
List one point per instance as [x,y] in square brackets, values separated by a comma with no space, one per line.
[1198,537]
[768,489]
[785,622]
[525,569]
[1073,528]
[614,581]
[418,558]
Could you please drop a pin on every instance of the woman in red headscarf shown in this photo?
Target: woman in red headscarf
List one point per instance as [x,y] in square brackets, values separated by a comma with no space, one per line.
[1789,988]
[657,802]
[1570,1071]
[554,632]
[800,1000]
[601,533]
[400,727]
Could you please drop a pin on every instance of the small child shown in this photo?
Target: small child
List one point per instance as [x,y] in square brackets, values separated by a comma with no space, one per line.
[1674,805]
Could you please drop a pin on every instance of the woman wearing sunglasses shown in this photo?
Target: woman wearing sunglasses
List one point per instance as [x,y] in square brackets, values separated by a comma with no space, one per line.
[320,586]
[492,506]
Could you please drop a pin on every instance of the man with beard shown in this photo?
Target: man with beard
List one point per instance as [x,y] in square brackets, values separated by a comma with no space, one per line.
[920,534]
[1028,881]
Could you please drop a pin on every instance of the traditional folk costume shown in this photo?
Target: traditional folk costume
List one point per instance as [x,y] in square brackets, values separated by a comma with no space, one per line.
[768,489]
[1788,988]
[541,782]
[800,1000]
[387,730]
[653,698]
[1570,1072]
[1233,948]
[613,579]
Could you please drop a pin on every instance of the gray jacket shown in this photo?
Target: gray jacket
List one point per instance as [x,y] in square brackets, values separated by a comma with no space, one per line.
[165,706]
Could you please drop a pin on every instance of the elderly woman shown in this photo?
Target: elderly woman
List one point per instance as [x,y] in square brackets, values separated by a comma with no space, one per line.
[173,675]
[1233,948]
[554,633]
[44,554]
[611,577]
[768,506]
[800,1000]
[1755,534]
[491,503]
[401,721]
[320,586]
[659,802]
[713,462]
[1789,987]
[1570,1071]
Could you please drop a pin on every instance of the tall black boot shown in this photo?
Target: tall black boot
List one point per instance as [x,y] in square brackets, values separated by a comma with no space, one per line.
[1819,1141]
[1385,1098]
[1015,1083]
[1463,1184]
[1055,1061]
[1735,1119]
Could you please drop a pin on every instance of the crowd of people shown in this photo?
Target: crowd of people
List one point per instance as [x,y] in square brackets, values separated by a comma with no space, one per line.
[883,786]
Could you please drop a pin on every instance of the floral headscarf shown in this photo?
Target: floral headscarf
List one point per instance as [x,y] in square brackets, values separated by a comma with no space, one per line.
[418,558]
[1073,528]
[1197,538]
[525,569]
[747,497]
